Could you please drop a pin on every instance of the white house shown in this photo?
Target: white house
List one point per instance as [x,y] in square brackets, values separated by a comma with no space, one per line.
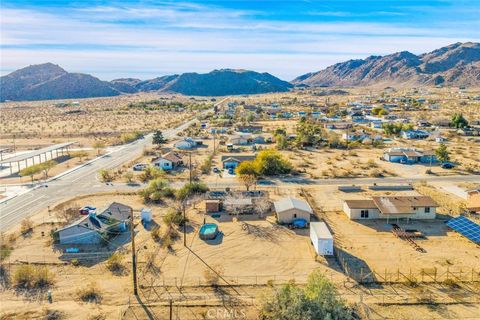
[321,238]
[289,209]
[168,161]
[185,144]
[240,138]
[392,207]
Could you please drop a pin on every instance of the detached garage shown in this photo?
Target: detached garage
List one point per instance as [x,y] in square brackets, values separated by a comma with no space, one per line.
[289,209]
[321,238]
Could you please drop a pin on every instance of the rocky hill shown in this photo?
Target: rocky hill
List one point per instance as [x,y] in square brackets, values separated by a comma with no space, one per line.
[49,81]
[457,64]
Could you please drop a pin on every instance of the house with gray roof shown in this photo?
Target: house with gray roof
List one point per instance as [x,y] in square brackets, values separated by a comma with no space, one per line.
[289,209]
[92,228]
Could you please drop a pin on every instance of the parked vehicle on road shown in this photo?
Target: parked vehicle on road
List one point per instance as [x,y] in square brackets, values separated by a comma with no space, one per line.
[448,165]
[139,167]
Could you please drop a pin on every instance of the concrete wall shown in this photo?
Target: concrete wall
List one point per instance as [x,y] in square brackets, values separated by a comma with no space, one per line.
[78,235]
[289,215]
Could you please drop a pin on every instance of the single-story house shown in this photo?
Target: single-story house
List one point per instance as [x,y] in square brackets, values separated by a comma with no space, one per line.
[240,138]
[415,134]
[168,161]
[289,209]
[92,228]
[409,155]
[250,129]
[355,136]
[232,161]
[186,144]
[391,207]
[473,201]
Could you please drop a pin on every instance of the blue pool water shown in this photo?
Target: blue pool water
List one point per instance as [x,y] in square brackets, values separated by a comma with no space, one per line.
[208,231]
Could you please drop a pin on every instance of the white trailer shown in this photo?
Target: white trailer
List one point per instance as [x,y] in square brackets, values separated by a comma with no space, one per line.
[321,238]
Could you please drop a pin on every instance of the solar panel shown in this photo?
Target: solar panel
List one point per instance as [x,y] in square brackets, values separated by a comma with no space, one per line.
[465,227]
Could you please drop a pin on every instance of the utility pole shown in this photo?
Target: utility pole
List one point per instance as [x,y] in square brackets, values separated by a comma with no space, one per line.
[214,136]
[184,224]
[134,258]
[190,165]
[347,136]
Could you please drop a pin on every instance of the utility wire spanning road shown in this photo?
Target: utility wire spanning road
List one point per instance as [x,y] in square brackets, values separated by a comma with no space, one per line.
[83,180]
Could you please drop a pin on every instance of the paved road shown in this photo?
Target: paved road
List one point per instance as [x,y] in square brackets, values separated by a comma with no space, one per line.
[80,181]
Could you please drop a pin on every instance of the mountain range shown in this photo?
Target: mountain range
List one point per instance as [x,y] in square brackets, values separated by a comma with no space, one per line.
[49,81]
[454,65]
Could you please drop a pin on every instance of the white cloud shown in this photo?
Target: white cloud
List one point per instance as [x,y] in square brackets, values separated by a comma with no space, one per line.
[181,37]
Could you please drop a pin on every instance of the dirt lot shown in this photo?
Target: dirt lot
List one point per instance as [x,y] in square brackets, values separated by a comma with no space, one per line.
[371,245]
[40,123]
[263,252]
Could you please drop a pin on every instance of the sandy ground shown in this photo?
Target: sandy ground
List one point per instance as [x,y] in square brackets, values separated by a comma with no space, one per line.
[372,245]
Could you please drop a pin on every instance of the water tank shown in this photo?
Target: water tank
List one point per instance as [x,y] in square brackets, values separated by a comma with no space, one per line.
[146,214]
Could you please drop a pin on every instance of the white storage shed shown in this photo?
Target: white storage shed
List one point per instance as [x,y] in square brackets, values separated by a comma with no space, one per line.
[321,238]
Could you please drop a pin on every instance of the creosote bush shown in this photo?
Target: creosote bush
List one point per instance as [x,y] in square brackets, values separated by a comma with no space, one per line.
[90,293]
[32,277]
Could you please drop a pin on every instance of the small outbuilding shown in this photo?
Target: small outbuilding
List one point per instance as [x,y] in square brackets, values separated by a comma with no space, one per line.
[212,205]
[321,238]
[289,209]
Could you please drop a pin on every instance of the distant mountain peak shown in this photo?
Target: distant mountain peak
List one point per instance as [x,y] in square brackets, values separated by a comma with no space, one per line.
[457,64]
[49,81]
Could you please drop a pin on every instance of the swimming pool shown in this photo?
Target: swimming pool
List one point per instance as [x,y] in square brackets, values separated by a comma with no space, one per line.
[208,231]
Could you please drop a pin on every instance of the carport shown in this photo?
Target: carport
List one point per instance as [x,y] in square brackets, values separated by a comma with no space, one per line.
[37,156]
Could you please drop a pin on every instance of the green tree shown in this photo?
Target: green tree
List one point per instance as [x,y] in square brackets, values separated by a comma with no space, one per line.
[282,142]
[98,145]
[106,175]
[442,153]
[247,173]
[156,190]
[129,177]
[79,154]
[318,300]
[458,121]
[191,189]
[151,173]
[30,171]
[271,162]
[158,138]
[46,166]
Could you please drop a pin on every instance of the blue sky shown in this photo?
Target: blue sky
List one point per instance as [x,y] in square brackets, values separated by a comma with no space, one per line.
[145,39]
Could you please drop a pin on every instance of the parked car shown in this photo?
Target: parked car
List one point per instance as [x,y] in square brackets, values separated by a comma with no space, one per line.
[139,167]
[448,165]
[231,171]
[216,170]
[85,210]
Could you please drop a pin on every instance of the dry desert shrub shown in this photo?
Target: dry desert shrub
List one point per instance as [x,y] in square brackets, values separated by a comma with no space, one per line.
[115,263]
[91,293]
[31,277]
